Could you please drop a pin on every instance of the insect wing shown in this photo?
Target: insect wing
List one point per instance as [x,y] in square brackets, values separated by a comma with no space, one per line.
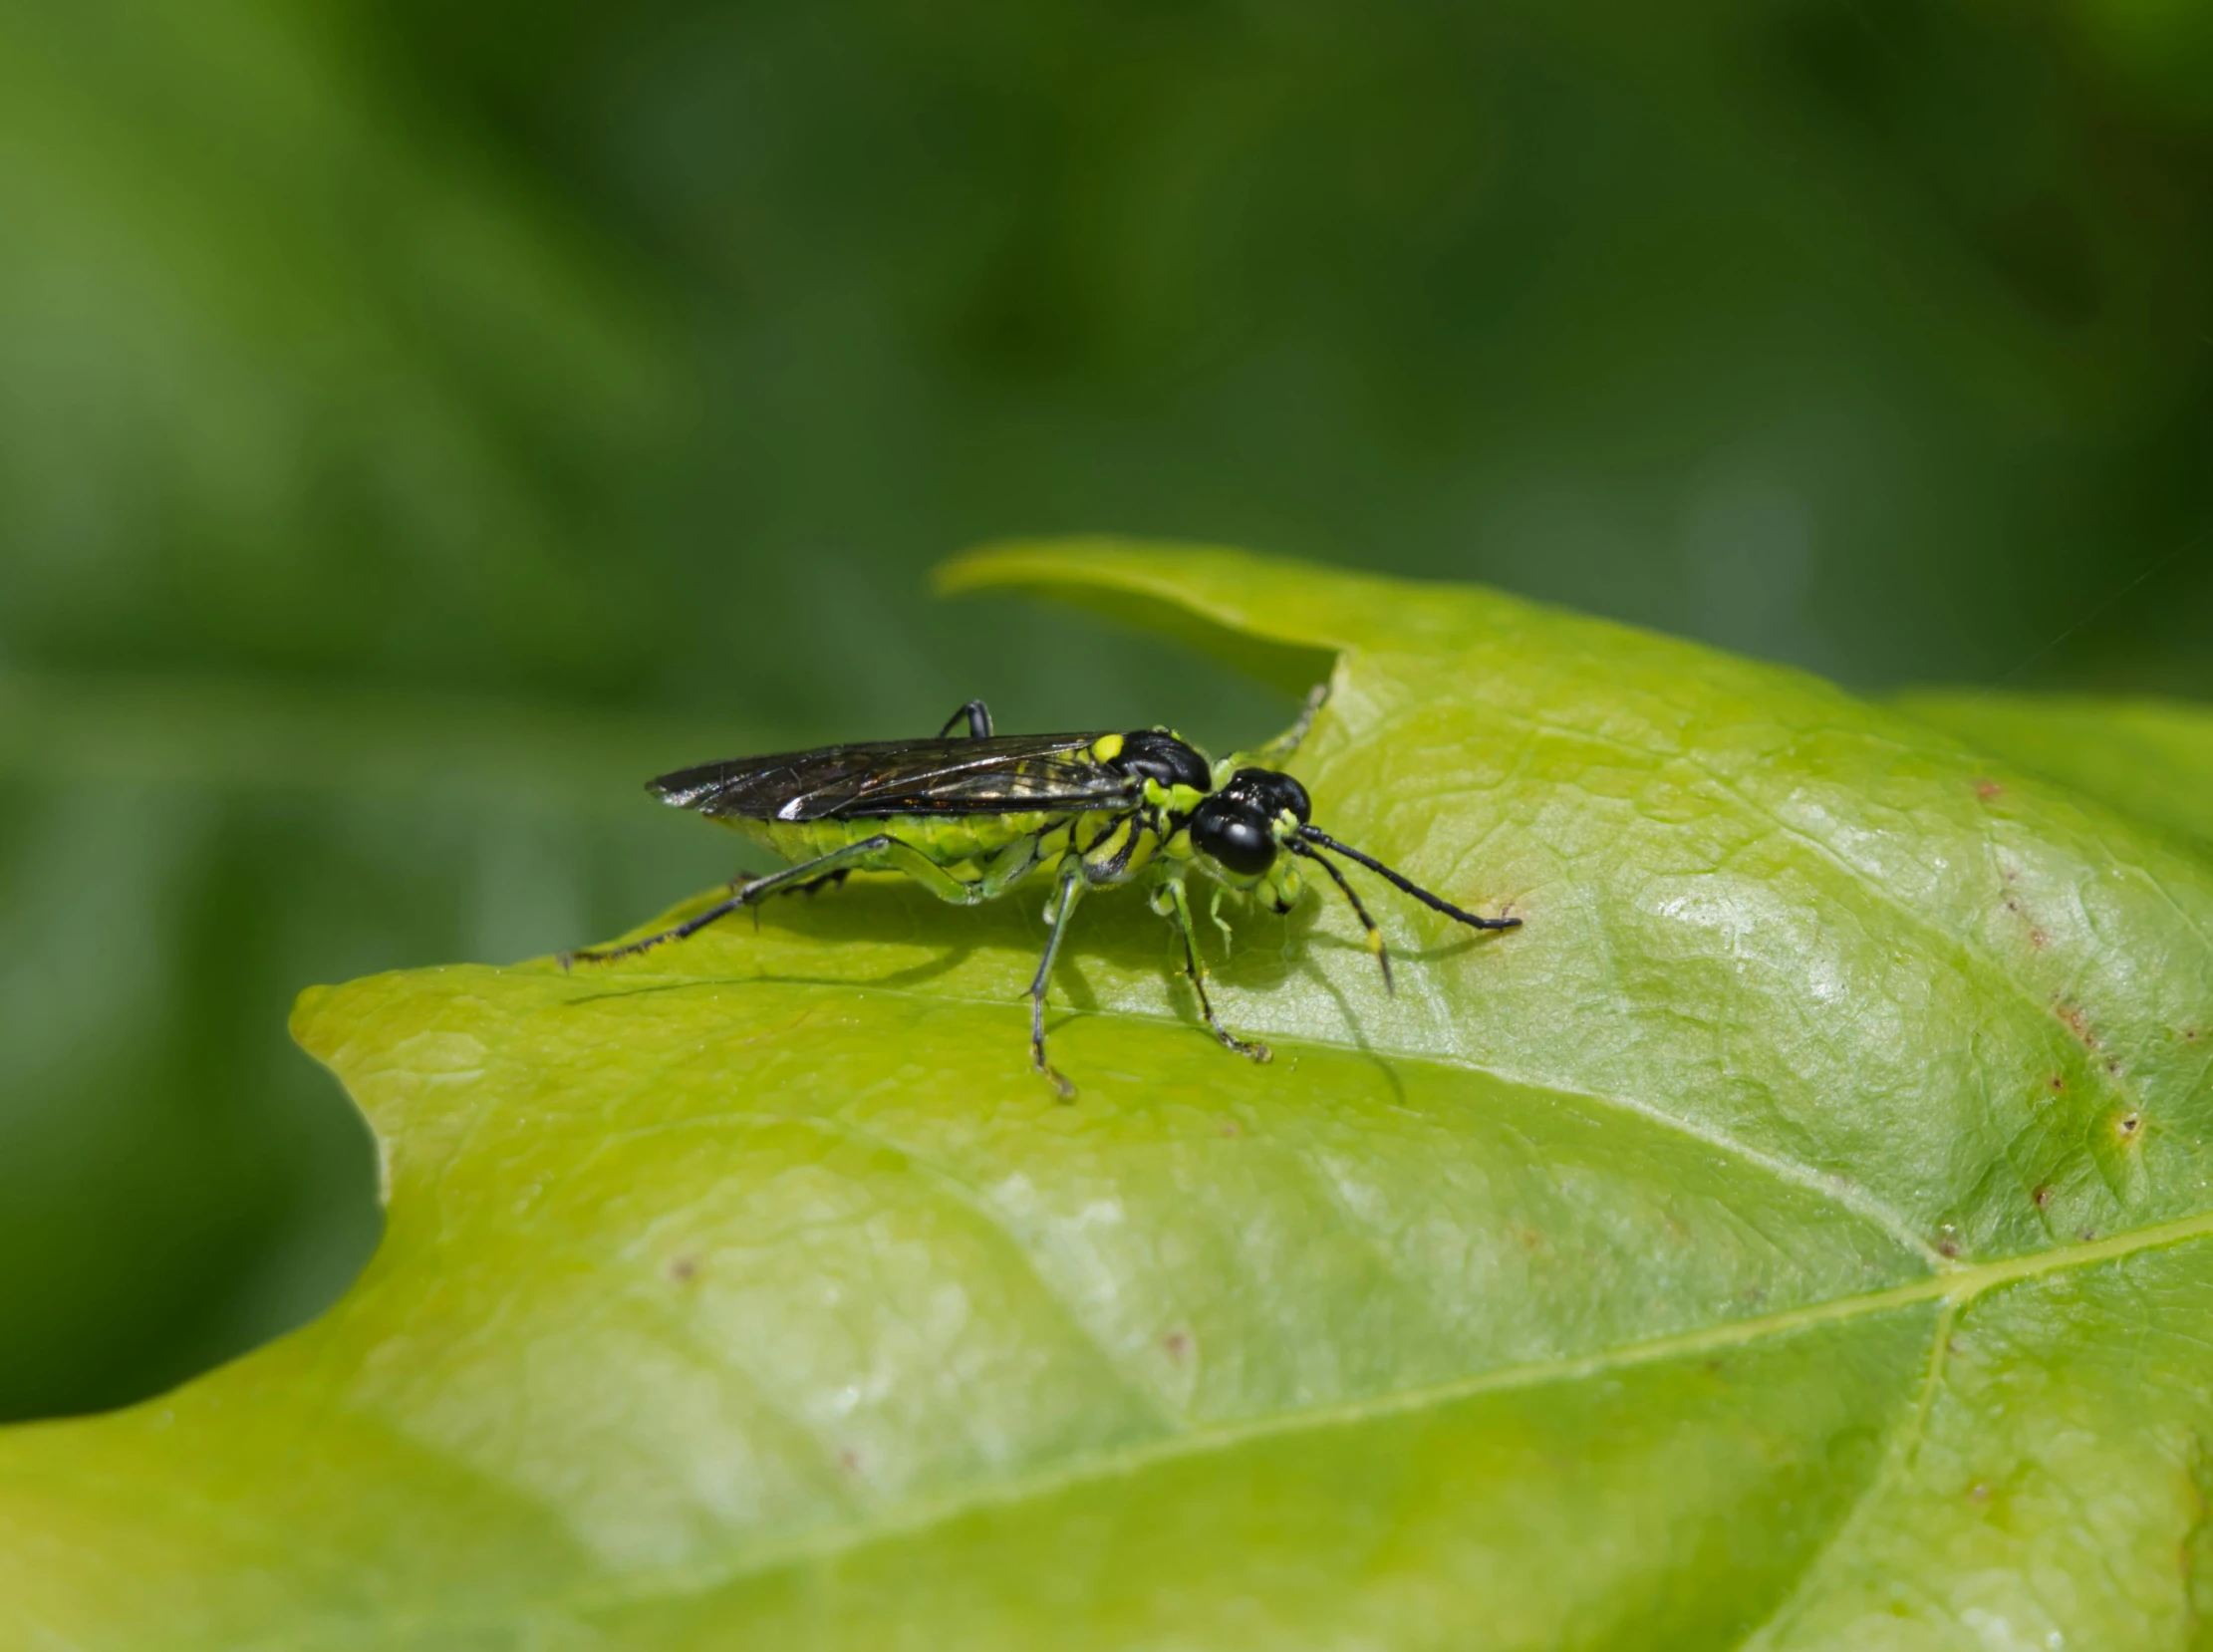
[895,777]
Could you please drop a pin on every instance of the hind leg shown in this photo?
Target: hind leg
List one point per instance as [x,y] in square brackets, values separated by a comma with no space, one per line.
[834,866]
[976,715]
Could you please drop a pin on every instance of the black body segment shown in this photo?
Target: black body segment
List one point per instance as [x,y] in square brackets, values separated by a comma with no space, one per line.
[1271,792]
[1156,755]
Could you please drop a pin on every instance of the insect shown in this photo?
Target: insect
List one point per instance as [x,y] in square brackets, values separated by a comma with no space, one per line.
[971,816]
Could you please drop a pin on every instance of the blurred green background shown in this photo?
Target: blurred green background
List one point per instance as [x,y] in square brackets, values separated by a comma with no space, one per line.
[421,421]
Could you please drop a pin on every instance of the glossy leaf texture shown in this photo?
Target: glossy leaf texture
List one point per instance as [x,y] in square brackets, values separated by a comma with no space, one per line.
[1797,1235]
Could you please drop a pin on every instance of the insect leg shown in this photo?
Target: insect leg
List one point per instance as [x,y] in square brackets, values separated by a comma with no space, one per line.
[807,879]
[1375,936]
[812,887]
[976,715]
[1064,902]
[1179,906]
[835,864]
[1008,867]
[933,877]
[1213,911]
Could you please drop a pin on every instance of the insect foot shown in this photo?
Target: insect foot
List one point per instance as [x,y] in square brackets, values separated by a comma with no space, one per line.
[1052,1075]
[1251,1048]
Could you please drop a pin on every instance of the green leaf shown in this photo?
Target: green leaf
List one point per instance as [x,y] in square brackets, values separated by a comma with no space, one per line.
[2150,758]
[1796,1235]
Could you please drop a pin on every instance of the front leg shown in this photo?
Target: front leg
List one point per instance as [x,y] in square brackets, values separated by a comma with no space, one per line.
[1213,911]
[1179,908]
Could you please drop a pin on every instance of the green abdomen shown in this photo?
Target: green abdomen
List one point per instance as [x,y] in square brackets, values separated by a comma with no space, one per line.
[946,840]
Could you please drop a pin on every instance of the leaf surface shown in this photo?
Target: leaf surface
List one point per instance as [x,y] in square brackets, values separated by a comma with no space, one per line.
[2150,758]
[1795,1235]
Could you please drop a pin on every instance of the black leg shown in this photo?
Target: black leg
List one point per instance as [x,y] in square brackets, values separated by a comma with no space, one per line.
[1064,903]
[1179,908]
[813,886]
[976,715]
[807,876]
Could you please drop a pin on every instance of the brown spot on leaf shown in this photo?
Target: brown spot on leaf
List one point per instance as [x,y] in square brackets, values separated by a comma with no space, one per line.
[683,1269]
[1947,1247]
[2042,1198]
[1979,1492]
[2058,1083]
[2012,905]
[2077,1023]
[2036,939]
[1986,789]
[2085,1235]
[2128,1125]
[1176,1343]
[850,1461]
[1229,1127]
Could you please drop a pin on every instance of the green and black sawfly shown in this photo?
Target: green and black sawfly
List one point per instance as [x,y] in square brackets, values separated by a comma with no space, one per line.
[971,815]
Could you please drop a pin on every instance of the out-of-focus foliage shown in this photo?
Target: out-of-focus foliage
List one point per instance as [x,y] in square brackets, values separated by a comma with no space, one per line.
[1668,1273]
[480,369]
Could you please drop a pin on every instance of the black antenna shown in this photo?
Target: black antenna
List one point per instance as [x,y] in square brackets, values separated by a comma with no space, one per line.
[1375,936]
[1437,902]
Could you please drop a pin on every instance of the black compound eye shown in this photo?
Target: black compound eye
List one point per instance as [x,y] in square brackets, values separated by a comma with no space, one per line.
[1272,792]
[1237,837]
[1159,755]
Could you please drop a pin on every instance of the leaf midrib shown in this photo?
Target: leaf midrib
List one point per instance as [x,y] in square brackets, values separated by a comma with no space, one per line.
[1954,1288]
[1898,1462]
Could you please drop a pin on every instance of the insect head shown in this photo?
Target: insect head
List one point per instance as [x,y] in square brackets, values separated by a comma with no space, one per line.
[1242,824]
